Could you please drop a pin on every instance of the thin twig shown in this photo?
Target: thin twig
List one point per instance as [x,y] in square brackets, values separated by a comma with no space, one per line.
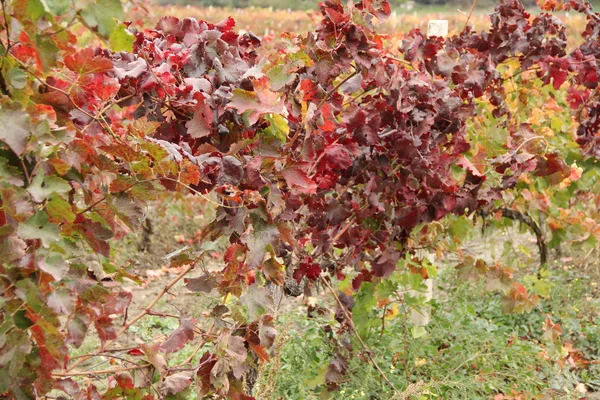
[94,204]
[343,230]
[335,88]
[3,87]
[470,14]
[64,28]
[507,157]
[408,64]
[99,372]
[142,314]
[191,189]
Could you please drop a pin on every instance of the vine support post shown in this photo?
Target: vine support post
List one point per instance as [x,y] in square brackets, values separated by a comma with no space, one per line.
[422,317]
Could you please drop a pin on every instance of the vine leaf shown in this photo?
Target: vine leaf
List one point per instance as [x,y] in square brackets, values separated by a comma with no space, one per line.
[258,300]
[257,238]
[204,283]
[201,124]
[177,382]
[258,102]
[55,265]
[77,328]
[86,62]
[180,336]
[38,227]
[121,39]
[105,328]
[218,375]
[236,348]
[296,178]
[385,264]
[274,271]
[59,210]
[307,268]
[14,128]
[152,352]
[101,15]
[42,187]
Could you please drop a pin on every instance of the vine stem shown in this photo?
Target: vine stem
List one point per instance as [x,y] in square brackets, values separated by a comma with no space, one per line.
[507,157]
[343,230]
[99,372]
[401,61]
[336,87]
[141,315]
[362,343]
[470,14]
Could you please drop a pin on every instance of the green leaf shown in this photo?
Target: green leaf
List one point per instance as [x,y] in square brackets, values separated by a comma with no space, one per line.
[257,239]
[258,300]
[21,321]
[17,78]
[387,287]
[362,312]
[48,51]
[59,210]
[460,227]
[278,128]
[42,187]
[319,378]
[10,173]
[121,39]
[58,7]
[101,15]
[14,127]
[418,331]
[38,227]
[278,78]
[30,9]
[415,281]
[55,265]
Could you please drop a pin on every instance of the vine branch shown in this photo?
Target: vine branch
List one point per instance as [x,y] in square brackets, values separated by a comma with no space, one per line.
[142,314]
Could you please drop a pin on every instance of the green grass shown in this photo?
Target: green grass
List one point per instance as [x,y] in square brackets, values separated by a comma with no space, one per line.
[470,350]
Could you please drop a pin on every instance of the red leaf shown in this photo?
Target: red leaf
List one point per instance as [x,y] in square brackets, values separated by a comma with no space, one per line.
[465,164]
[339,156]
[206,364]
[135,352]
[296,178]
[117,304]
[180,336]
[385,264]
[86,62]
[124,381]
[105,328]
[363,276]
[201,124]
[226,25]
[307,268]
[204,283]
[260,352]
[177,382]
